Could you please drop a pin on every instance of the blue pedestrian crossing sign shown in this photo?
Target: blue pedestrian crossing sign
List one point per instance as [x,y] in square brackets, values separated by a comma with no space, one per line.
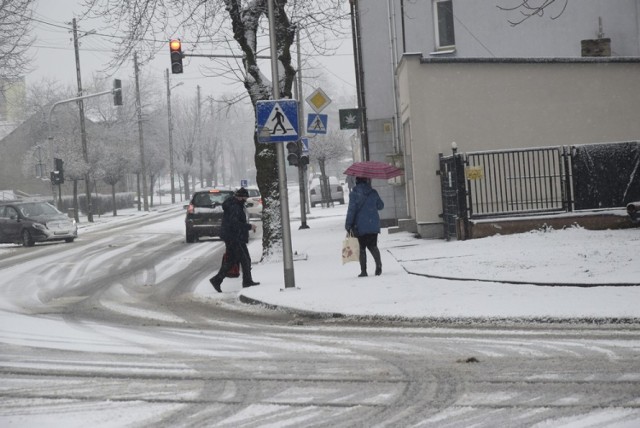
[277,120]
[317,123]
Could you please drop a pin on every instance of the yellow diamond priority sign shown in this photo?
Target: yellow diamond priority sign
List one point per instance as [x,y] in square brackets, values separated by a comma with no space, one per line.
[318,100]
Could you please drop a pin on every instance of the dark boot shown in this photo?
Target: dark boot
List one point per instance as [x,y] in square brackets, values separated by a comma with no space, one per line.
[250,283]
[215,281]
[375,252]
[363,264]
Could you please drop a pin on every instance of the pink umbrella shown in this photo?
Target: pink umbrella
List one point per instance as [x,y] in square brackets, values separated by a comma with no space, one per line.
[373,169]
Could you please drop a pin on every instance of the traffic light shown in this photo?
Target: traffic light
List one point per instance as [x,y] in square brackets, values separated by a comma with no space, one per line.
[57,175]
[117,92]
[175,49]
[304,159]
[294,153]
[55,178]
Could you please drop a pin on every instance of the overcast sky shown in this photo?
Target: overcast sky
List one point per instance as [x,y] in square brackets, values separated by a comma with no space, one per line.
[54,57]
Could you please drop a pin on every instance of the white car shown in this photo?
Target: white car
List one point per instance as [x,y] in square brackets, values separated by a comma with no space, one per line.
[254,203]
[315,193]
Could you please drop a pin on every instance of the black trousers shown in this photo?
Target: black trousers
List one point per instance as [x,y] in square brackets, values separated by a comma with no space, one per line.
[369,241]
[237,253]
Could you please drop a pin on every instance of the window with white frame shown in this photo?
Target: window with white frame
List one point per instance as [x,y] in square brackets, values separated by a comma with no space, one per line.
[443,24]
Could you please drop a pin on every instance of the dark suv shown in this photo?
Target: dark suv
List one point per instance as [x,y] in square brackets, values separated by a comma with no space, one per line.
[204,213]
[30,222]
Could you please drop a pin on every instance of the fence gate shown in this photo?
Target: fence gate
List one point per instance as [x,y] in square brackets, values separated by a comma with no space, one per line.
[524,181]
[453,193]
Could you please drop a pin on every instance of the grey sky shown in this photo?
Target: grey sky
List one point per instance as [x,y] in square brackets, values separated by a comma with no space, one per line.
[54,57]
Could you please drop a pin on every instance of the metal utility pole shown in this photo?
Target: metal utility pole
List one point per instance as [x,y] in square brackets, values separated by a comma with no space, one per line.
[301,168]
[287,253]
[171,169]
[143,170]
[198,139]
[357,57]
[83,132]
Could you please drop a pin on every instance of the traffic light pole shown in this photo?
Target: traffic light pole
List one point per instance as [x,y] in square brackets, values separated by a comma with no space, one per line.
[70,100]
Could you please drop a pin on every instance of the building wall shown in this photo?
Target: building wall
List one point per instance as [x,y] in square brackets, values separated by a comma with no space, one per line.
[13,149]
[508,103]
[481,31]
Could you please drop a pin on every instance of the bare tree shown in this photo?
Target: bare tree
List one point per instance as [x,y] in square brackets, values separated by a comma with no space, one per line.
[15,39]
[116,161]
[528,8]
[326,150]
[185,142]
[223,21]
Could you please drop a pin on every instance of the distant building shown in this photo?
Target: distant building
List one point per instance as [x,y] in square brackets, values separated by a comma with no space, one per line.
[12,102]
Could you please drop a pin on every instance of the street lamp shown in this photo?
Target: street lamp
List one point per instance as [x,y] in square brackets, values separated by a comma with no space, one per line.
[171,170]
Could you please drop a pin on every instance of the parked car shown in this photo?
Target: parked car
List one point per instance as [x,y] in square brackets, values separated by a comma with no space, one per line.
[254,203]
[26,223]
[315,193]
[204,214]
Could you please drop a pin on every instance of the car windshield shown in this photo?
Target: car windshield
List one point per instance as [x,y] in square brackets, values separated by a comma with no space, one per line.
[210,199]
[34,209]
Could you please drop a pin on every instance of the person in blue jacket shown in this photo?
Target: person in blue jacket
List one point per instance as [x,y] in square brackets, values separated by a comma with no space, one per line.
[364,221]
[235,234]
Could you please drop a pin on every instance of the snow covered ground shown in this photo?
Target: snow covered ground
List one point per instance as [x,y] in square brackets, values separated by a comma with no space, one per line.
[489,278]
[572,274]
[471,281]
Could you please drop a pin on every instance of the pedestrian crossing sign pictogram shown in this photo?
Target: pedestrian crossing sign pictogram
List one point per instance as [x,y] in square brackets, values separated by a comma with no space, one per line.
[317,123]
[277,120]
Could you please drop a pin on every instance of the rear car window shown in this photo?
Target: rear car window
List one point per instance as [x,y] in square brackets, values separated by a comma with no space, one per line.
[209,199]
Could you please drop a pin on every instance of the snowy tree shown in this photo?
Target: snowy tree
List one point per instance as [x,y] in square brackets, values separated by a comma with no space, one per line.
[15,40]
[118,132]
[185,140]
[325,150]
[223,21]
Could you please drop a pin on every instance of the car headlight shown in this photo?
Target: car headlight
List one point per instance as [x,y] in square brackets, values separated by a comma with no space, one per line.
[39,226]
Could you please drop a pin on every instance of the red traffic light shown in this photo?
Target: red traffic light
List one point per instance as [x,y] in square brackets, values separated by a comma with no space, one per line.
[175,49]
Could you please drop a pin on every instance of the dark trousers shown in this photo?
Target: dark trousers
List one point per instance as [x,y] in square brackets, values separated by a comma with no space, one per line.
[237,253]
[369,241]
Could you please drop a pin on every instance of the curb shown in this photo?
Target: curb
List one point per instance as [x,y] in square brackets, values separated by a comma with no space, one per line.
[540,284]
[445,321]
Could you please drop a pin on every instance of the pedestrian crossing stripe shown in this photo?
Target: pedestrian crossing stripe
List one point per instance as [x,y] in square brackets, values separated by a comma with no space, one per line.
[277,120]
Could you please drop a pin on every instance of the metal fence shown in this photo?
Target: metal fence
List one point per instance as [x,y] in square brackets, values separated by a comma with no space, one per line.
[515,181]
[538,180]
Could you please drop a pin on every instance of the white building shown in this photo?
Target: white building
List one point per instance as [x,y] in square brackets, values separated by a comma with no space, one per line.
[441,32]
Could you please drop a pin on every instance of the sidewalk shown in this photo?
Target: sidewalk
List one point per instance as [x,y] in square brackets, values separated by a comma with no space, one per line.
[583,276]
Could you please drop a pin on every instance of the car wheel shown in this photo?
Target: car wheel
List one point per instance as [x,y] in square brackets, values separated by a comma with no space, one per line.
[342,201]
[27,240]
[191,238]
[313,205]
[69,240]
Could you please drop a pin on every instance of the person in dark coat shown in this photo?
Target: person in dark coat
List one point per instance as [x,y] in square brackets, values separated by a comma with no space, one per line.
[235,234]
[363,219]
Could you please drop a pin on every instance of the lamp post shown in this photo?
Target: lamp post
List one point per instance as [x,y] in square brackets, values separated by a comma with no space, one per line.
[171,170]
